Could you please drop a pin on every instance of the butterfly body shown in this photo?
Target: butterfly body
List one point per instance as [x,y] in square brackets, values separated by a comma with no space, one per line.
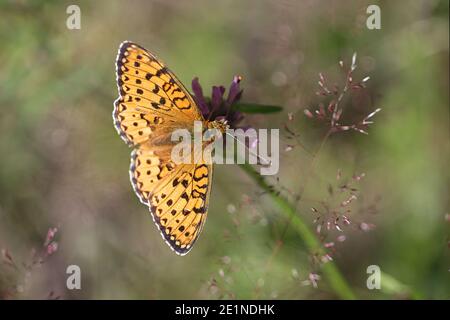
[152,104]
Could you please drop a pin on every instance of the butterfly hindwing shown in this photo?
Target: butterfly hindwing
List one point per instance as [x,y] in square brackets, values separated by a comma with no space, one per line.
[177,195]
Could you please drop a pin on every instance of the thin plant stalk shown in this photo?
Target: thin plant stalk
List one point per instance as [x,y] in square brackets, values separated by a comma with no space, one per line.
[335,279]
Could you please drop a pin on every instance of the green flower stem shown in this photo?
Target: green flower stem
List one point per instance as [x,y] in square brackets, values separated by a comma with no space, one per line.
[392,286]
[330,270]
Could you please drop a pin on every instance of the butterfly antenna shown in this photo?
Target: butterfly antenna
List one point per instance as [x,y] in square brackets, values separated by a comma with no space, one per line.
[267,162]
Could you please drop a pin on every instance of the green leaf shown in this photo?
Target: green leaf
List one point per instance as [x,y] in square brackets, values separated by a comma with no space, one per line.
[256,108]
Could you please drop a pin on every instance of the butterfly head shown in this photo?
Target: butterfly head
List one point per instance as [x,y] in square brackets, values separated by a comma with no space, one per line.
[221,125]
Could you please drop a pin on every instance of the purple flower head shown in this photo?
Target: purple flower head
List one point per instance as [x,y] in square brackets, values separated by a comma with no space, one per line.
[219,107]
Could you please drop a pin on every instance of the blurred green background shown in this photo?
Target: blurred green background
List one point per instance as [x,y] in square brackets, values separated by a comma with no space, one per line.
[63,165]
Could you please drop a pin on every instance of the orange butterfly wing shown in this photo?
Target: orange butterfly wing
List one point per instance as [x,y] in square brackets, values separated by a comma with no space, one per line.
[152,103]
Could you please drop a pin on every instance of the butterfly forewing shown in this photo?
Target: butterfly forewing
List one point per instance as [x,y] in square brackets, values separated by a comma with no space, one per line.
[151,98]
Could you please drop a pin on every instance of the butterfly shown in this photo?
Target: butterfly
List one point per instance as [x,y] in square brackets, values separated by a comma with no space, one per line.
[152,103]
